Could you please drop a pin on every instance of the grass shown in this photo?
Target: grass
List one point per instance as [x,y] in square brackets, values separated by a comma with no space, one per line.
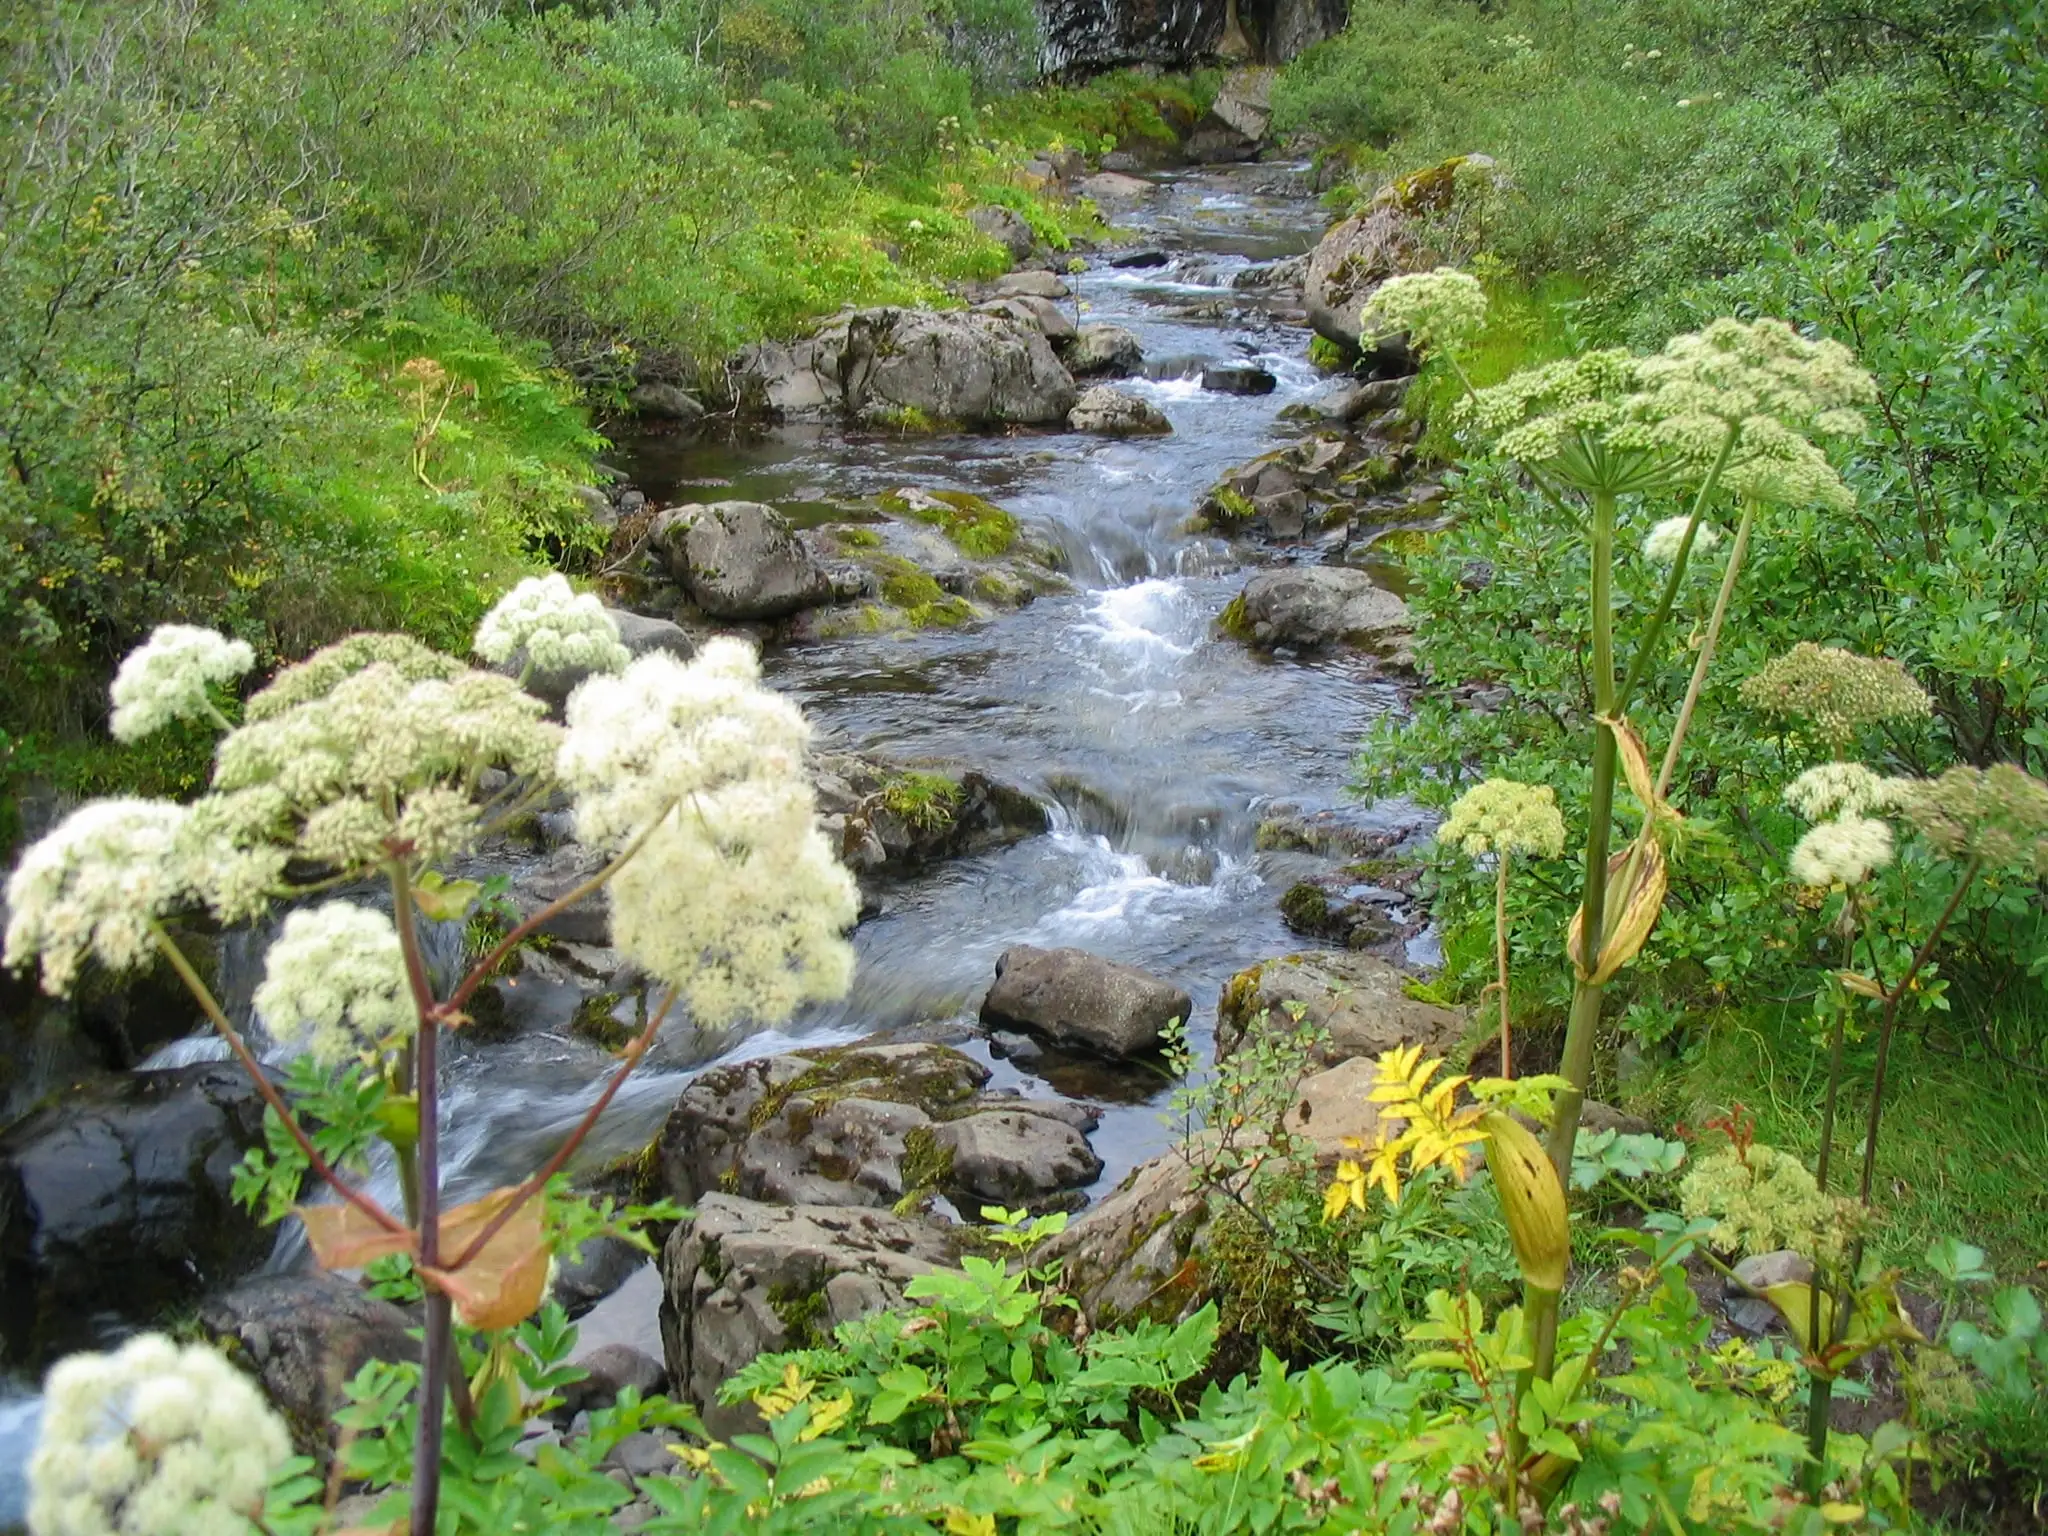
[1963,1150]
[928,801]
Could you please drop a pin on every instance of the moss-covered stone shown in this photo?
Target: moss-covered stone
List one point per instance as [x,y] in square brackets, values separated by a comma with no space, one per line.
[1305,907]
[1235,621]
[922,602]
[975,525]
[929,802]
[802,1311]
[597,1020]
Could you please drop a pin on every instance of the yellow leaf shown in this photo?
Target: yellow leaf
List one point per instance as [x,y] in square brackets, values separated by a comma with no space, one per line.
[1532,1200]
[1637,880]
[960,1523]
[1836,1513]
[827,1414]
[1635,760]
[1861,985]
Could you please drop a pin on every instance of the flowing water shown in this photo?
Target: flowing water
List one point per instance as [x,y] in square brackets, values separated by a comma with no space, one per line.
[1156,745]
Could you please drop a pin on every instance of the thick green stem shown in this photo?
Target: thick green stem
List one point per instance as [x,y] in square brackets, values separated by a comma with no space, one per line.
[1500,950]
[1577,1066]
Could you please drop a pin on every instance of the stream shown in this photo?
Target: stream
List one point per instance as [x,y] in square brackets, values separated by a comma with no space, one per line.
[1156,745]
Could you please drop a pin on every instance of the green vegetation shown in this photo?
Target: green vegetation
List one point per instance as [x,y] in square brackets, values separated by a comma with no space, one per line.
[976,525]
[303,329]
[928,801]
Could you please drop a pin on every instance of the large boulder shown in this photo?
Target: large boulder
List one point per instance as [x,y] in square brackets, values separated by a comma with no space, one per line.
[1029,285]
[741,560]
[1006,227]
[304,1337]
[1076,998]
[1359,1001]
[910,368]
[1114,187]
[870,1125]
[115,1204]
[1352,260]
[742,1279]
[1050,319]
[1104,351]
[1312,607]
[1117,413]
[1245,102]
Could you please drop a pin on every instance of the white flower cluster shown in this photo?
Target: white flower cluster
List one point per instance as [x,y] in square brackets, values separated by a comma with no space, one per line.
[1660,544]
[557,629]
[166,677]
[153,1440]
[1670,415]
[735,899]
[95,884]
[1847,789]
[1439,311]
[1846,851]
[354,758]
[1505,816]
[335,979]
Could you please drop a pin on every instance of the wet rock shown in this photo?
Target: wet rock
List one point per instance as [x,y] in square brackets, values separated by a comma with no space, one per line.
[1011,1155]
[1239,379]
[1081,999]
[1314,607]
[1114,187]
[1117,413]
[1273,276]
[898,818]
[1217,143]
[1104,351]
[1138,261]
[304,1337]
[1341,910]
[1245,102]
[114,1203]
[1006,227]
[1029,285]
[741,560]
[597,1270]
[588,921]
[909,369]
[610,1370]
[742,1279]
[1050,319]
[1355,400]
[1086,37]
[670,402]
[1352,260]
[1358,1000]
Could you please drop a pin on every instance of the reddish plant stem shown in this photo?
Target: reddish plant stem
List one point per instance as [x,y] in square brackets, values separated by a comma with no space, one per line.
[439,1339]
[321,1168]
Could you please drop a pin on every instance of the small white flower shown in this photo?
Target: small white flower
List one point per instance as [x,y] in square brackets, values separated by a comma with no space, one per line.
[1847,789]
[96,884]
[153,1440]
[1660,544]
[335,979]
[1684,102]
[1844,852]
[558,629]
[166,677]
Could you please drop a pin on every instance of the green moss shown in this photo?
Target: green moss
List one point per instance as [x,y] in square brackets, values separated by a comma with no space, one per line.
[906,419]
[975,525]
[1405,543]
[596,1020]
[1235,621]
[921,601]
[928,801]
[1305,907]
[1233,506]
[1327,355]
[927,1167]
[858,538]
[802,1312]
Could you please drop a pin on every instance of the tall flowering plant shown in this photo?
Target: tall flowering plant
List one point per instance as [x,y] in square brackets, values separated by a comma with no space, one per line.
[381,761]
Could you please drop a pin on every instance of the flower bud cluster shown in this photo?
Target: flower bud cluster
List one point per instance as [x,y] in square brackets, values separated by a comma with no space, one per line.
[1835,692]
[335,981]
[1505,816]
[1997,814]
[1438,311]
[1660,544]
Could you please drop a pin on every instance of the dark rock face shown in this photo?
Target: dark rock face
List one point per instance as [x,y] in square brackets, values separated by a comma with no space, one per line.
[1086,37]
[305,1337]
[114,1204]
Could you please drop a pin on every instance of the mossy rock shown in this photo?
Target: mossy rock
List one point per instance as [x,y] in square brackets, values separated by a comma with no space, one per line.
[803,1313]
[1305,907]
[1235,621]
[597,1020]
[928,802]
[914,594]
[975,525]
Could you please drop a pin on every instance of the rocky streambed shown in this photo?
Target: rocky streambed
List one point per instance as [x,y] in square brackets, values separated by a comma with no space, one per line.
[1082,589]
